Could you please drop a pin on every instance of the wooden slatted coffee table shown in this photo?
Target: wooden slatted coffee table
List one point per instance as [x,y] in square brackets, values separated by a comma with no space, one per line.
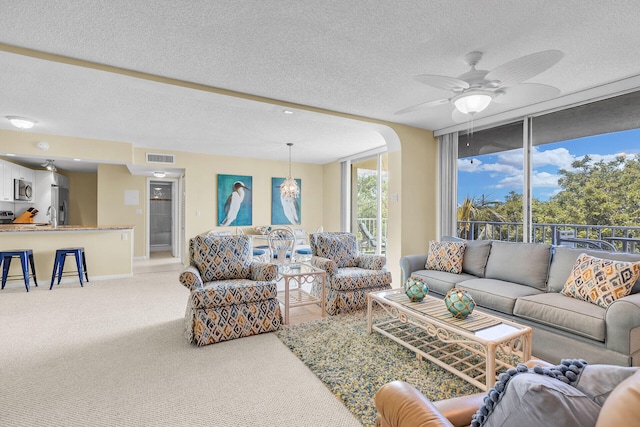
[474,348]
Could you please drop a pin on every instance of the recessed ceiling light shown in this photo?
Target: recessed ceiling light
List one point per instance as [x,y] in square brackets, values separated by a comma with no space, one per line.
[22,122]
[289,112]
[76,160]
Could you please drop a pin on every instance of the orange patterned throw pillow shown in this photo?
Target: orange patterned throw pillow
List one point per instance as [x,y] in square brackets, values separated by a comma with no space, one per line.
[445,256]
[600,281]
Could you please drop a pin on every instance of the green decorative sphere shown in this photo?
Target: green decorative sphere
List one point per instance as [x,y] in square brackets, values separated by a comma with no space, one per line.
[459,303]
[416,288]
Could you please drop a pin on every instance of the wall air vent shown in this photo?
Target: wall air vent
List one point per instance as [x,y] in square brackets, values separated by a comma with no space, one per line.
[160,158]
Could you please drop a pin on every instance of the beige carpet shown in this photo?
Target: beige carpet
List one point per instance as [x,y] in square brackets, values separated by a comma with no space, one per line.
[113,354]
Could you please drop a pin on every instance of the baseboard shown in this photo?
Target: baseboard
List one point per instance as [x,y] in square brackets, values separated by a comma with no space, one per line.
[47,283]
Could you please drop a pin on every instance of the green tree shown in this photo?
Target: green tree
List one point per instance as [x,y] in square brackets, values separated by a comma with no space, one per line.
[600,193]
[367,196]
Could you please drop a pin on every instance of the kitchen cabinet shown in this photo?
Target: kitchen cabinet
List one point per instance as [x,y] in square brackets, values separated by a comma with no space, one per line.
[6,181]
[10,172]
[20,172]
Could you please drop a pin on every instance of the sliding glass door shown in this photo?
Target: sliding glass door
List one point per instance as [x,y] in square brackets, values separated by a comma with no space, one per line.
[369,182]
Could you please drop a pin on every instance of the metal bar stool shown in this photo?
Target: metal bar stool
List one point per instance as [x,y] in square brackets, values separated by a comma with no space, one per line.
[26,259]
[81,264]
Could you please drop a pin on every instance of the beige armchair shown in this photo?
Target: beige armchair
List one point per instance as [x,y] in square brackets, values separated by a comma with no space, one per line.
[350,276]
[231,296]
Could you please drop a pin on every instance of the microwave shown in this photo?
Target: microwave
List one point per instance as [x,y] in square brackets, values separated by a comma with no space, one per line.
[23,190]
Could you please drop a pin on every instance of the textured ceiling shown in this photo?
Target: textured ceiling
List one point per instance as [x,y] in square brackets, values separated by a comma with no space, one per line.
[348,56]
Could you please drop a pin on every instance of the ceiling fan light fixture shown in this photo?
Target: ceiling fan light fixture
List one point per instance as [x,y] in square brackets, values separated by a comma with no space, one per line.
[472,102]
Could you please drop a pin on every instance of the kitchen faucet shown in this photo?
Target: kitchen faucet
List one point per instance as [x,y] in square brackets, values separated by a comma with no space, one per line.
[53,216]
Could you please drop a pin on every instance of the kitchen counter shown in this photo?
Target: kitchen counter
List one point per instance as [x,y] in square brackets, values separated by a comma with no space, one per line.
[108,248]
[47,227]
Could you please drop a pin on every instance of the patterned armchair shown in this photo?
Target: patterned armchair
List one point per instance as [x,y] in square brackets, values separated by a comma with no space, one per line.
[350,277]
[231,296]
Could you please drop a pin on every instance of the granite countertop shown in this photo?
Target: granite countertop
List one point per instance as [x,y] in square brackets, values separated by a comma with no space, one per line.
[46,227]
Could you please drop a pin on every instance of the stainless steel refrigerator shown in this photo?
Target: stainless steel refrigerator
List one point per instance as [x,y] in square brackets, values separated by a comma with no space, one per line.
[52,189]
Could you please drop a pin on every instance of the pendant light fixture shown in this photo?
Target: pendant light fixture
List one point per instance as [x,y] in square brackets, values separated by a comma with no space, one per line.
[289,187]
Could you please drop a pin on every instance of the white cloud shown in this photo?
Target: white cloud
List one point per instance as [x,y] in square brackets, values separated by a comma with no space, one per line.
[505,169]
[544,179]
[559,157]
[511,157]
[501,168]
[510,182]
[469,165]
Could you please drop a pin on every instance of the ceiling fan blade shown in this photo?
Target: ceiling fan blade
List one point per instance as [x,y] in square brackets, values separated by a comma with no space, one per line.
[422,106]
[526,93]
[442,82]
[525,67]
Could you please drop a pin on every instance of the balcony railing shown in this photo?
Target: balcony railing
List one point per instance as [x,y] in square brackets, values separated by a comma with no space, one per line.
[623,239]
[371,224]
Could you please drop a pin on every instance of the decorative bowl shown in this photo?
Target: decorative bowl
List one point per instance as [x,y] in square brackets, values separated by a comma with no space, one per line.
[416,288]
[459,303]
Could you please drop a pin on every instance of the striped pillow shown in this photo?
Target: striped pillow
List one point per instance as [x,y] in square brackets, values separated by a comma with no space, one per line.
[445,256]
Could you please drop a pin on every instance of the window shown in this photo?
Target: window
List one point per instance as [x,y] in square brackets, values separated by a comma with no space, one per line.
[582,176]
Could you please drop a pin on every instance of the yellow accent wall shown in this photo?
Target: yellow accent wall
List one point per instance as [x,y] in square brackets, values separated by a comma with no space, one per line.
[83,198]
[113,181]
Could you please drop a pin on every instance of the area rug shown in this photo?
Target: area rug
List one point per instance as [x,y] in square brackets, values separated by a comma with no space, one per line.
[355,364]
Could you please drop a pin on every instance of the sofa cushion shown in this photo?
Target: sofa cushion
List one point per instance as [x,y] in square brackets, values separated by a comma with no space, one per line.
[230,292]
[600,281]
[523,263]
[440,282]
[340,248]
[565,313]
[564,259]
[352,278]
[476,256]
[496,294]
[445,256]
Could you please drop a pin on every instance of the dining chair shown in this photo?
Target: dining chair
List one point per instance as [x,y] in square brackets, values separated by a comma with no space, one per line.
[281,244]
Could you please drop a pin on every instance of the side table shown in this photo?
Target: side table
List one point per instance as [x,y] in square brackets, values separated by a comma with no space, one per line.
[298,274]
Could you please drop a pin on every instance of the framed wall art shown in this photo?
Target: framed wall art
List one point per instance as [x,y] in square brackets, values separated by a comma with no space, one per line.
[234,200]
[285,210]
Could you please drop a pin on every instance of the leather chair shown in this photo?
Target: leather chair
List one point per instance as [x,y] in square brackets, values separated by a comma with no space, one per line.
[400,404]
[231,296]
[349,276]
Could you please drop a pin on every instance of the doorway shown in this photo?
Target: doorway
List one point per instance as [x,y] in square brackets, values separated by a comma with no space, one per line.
[369,181]
[162,218]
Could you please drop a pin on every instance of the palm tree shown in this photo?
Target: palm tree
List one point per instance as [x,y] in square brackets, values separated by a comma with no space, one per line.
[477,209]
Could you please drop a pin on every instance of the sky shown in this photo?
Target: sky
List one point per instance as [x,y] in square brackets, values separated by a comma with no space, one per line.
[495,175]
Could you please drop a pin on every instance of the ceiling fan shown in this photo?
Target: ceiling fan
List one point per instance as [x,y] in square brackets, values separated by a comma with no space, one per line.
[474,90]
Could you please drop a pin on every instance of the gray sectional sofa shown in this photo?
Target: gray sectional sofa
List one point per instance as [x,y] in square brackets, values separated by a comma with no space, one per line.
[522,282]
